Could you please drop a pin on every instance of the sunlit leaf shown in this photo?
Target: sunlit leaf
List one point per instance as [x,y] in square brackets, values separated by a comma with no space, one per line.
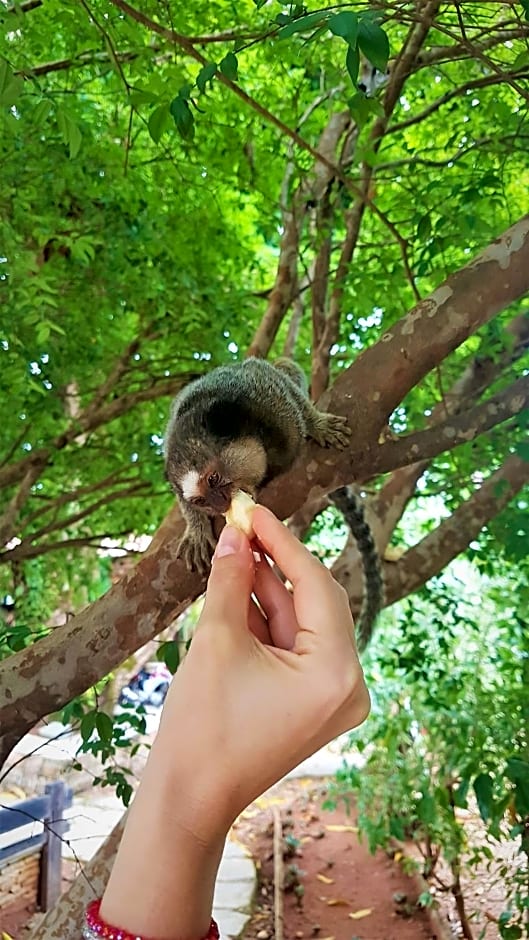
[345,24]
[183,117]
[374,43]
[230,67]
[206,74]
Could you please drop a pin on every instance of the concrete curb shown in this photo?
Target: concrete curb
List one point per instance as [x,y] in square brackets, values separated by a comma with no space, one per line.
[234,891]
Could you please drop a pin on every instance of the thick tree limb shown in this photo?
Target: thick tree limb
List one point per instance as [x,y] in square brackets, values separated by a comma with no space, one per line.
[75,656]
[374,386]
[451,537]
[387,507]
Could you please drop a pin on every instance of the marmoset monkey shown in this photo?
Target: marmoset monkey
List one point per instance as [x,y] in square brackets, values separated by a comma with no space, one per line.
[237,428]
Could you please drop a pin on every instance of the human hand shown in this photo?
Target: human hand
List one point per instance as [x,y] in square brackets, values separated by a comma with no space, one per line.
[260,690]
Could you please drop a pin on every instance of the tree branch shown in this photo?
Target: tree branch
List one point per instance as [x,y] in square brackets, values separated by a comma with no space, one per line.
[485,82]
[90,420]
[458,429]
[453,535]
[387,506]
[311,189]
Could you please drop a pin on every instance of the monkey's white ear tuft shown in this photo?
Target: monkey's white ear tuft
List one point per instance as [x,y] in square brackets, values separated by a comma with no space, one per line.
[189,484]
[240,513]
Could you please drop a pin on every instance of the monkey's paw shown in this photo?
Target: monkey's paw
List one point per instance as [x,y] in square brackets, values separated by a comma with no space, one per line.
[331,431]
[197,553]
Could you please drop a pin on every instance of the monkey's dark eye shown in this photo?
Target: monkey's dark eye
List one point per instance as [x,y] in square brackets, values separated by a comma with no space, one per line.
[213,479]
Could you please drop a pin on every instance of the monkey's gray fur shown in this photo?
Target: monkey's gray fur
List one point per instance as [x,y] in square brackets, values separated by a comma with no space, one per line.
[351,505]
[238,427]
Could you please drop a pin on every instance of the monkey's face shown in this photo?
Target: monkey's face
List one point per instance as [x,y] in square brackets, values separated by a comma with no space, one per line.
[209,491]
[240,465]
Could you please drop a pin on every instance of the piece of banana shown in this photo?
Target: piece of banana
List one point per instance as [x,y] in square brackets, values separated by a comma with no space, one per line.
[240,513]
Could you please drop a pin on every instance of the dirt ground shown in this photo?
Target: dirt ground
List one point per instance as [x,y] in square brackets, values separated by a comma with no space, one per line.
[336,889]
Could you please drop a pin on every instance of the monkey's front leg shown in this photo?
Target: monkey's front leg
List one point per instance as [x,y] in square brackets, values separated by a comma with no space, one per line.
[198,542]
[327,430]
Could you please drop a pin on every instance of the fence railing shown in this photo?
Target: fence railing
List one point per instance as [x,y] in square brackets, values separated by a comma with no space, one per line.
[36,827]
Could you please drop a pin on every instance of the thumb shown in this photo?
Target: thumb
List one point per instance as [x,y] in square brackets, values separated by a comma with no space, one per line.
[230,583]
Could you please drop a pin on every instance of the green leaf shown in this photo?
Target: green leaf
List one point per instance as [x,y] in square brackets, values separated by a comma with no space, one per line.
[230,67]
[69,130]
[42,111]
[345,25]
[88,723]
[521,60]
[424,228]
[517,771]
[525,8]
[169,653]
[460,795]
[483,789]
[159,121]
[10,85]
[352,64]
[183,117]
[425,899]
[362,107]
[143,96]
[426,809]
[523,450]
[260,3]
[206,74]
[104,725]
[302,23]
[511,933]
[374,43]
[185,91]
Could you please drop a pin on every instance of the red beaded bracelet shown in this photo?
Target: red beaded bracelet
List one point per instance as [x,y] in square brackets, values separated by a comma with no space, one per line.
[95,927]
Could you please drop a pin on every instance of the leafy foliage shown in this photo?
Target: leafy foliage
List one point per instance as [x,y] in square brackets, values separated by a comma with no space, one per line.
[449,729]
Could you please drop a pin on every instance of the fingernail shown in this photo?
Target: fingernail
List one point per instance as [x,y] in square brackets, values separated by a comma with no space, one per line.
[231,540]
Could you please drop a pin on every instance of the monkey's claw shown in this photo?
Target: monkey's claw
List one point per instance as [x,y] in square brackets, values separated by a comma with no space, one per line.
[196,553]
[332,431]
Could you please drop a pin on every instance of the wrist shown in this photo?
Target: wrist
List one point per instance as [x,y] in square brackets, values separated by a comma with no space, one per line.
[193,790]
[163,878]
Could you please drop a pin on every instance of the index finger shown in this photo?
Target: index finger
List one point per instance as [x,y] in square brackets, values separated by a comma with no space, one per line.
[295,561]
[321,606]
